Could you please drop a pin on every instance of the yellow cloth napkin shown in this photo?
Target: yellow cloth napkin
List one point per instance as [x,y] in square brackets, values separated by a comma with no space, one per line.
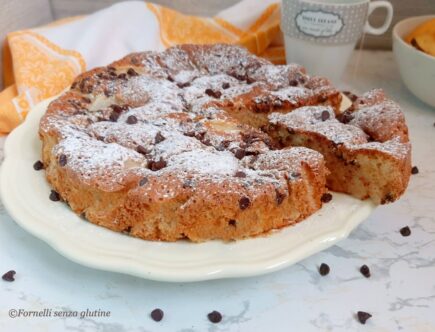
[39,63]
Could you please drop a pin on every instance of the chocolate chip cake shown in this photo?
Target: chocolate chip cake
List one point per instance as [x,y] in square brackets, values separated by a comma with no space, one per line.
[211,142]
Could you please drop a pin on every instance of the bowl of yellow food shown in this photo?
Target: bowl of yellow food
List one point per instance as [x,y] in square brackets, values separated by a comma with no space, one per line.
[414,49]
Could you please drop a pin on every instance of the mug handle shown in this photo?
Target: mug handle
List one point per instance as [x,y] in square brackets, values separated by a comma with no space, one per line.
[382,29]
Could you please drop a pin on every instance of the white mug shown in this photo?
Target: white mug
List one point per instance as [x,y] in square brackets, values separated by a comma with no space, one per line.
[321,34]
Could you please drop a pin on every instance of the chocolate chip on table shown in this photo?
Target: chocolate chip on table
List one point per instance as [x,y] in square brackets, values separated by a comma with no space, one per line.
[324,269]
[54,196]
[326,198]
[214,316]
[365,271]
[244,203]
[63,160]
[143,181]
[405,231]
[240,174]
[37,166]
[131,119]
[414,170]
[157,315]
[9,276]
[213,93]
[159,138]
[363,316]
[325,115]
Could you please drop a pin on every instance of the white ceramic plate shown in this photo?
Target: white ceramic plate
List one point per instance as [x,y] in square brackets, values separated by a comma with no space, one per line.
[25,194]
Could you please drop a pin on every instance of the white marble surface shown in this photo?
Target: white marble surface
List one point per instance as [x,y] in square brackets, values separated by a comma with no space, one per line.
[400,294]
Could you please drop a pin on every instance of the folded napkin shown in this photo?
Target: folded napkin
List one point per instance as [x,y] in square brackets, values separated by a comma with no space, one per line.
[39,63]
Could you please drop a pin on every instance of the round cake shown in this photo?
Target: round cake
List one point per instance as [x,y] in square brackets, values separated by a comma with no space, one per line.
[211,142]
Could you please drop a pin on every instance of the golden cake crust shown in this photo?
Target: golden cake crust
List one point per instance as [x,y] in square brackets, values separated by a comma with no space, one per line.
[170,145]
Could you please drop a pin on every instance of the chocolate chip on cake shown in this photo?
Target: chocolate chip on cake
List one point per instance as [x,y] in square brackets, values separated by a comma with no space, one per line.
[117,108]
[188,184]
[322,99]
[295,175]
[189,134]
[279,197]
[86,100]
[363,316]
[346,116]
[353,97]
[225,85]
[63,160]
[240,174]
[414,170]
[326,198]
[325,115]
[324,269]
[157,165]
[157,315]
[405,231]
[9,276]
[159,138]
[182,85]
[232,222]
[240,153]
[293,83]
[131,119]
[213,93]
[37,166]
[142,150]
[143,181]
[206,142]
[365,271]
[214,317]
[107,92]
[244,203]
[114,116]
[54,196]
[132,72]
[122,76]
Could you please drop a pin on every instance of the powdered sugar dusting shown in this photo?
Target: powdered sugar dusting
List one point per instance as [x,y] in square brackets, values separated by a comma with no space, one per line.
[168,113]
[211,163]
[321,120]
